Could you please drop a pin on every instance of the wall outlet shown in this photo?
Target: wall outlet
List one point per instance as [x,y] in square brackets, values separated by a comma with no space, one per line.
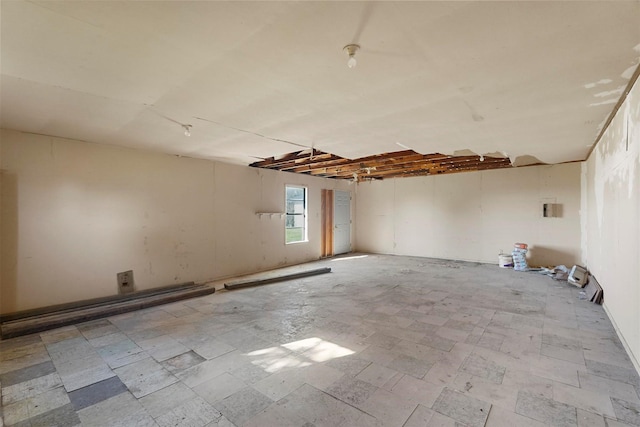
[125,282]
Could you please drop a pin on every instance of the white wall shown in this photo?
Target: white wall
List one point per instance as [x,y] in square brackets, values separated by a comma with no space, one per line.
[612,226]
[472,216]
[74,214]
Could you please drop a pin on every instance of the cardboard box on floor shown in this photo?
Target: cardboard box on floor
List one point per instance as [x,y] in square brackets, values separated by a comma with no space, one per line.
[593,290]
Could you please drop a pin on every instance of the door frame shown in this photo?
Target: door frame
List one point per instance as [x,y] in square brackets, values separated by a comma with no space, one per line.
[326,214]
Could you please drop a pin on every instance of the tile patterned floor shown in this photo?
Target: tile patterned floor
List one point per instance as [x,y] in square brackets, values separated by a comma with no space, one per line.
[381,341]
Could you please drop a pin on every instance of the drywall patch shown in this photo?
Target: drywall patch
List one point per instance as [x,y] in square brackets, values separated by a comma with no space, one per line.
[599,82]
[617,91]
[606,102]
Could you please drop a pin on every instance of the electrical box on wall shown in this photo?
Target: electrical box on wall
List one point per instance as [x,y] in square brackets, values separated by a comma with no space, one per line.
[551,210]
[125,282]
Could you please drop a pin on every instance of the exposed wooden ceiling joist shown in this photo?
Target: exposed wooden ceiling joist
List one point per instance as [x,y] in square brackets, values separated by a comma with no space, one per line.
[388,165]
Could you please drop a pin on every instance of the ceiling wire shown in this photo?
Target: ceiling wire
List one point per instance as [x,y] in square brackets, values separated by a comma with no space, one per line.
[188,126]
[251,132]
[164,116]
[363,22]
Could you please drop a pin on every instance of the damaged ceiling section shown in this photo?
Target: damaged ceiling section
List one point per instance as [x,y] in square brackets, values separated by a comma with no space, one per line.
[398,164]
[532,81]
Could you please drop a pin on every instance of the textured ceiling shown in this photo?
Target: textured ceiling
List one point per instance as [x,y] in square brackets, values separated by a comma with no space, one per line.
[532,80]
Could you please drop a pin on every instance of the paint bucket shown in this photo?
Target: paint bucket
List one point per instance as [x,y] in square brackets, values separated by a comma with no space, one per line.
[505,261]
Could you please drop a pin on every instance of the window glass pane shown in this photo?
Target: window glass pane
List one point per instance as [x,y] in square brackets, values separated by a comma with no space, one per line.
[298,207]
[289,221]
[296,215]
[295,235]
[295,206]
[295,221]
[298,221]
[295,193]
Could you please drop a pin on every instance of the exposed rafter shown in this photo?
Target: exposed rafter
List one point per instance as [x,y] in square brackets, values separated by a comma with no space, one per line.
[388,165]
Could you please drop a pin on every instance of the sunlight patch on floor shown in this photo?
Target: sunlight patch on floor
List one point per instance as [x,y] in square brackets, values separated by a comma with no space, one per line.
[318,349]
[305,352]
[350,257]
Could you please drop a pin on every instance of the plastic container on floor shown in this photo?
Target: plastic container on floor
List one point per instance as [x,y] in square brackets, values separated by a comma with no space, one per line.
[505,261]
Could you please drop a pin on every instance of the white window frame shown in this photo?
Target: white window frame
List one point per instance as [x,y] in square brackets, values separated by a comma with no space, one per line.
[305,237]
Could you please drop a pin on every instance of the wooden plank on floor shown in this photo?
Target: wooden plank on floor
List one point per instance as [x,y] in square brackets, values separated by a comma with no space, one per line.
[94,302]
[258,282]
[49,321]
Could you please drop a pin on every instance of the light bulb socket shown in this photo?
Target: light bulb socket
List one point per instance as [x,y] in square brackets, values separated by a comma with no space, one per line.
[351,50]
[187,130]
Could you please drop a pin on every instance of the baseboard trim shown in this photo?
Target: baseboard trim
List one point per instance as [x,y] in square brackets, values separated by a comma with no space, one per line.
[622,340]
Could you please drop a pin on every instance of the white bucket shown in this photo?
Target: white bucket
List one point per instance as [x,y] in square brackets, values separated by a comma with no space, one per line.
[505,261]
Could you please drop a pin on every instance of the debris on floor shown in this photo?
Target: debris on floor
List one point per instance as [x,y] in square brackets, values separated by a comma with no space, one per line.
[593,291]
[560,272]
[519,255]
[578,276]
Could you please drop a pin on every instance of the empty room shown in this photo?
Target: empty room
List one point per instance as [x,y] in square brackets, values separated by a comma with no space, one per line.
[308,214]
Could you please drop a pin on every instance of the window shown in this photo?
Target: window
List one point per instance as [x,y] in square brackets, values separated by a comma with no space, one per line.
[296,221]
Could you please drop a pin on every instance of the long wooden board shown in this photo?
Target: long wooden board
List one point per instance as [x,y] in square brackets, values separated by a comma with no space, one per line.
[44,322]
[258,282]
[94,302]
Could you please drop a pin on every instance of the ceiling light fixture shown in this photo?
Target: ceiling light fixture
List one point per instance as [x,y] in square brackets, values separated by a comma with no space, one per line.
[351,50]
[187,130]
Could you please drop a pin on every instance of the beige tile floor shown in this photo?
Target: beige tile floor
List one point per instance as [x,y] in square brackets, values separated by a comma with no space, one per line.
[381,341]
